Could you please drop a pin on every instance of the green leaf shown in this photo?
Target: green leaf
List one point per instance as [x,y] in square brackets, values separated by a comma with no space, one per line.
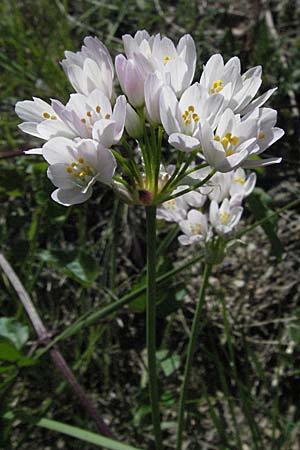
[79,433]
[9,353]
[81,267]
[258,203]
[13,330]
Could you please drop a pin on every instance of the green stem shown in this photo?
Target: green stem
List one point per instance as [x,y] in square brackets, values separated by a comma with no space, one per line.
[190,353]
[151,322]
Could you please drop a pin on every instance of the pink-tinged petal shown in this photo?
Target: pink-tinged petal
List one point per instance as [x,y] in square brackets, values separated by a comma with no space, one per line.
[59,150]
[68,197]
[250,164]
[169,110]
[183,142]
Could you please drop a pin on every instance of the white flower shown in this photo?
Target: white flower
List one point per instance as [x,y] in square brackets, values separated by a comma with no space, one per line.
[238,90]
[224,218]
[90,68]
[218,186]
[75,167]
[195,228]
[181,119]
[92,116]
[173,210]
[233,141]
[268,134]
[131,80]
[153,53]
[40,120]
[241,186]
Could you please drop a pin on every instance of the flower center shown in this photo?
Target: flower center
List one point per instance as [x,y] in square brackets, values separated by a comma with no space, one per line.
[190,115]
[195,228]
[171,204]
[80,170]
[216,86]
[224,217]
[228,141]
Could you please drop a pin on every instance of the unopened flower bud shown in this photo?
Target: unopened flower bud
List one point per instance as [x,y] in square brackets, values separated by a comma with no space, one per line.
[131,80]
[133,123]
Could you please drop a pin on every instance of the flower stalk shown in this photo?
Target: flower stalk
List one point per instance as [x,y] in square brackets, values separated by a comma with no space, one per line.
[190,353]
[151,322]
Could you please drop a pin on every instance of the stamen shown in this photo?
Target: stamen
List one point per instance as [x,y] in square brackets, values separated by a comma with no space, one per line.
[234,140]
[80,160]
[224,217]
[224,142]
[98,109]
[53,117]
[46,115]
[89,114]
[107,116]
[69,169]
[261,135]
[239,180]
[191,108]
[229,152]
[83,120]
[217,138]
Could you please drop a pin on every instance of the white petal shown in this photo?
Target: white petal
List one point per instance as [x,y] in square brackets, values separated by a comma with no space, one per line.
[262,162]
[183,142]
[68,197]
[169,110]
[59,150]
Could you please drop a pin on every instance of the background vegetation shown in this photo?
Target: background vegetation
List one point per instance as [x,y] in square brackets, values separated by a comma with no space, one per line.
[245,386]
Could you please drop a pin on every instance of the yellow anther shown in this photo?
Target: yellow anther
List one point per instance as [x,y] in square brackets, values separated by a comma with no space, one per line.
[239,180]
[98,109]
[171,204]
[167,59]
[195,117]
[80,160]
[261,135]
[234,140]
[89,114]
[217,138]
[228,136]
[224,217]
[86,167]
[229,152]
[74,164]
[224,142]
[107,116]
[82,174]
[217,86]
[188,121]
[46,115]
[184,116]
[191,108]
[53,117]
[90,126]
[69,169]
[83,120]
